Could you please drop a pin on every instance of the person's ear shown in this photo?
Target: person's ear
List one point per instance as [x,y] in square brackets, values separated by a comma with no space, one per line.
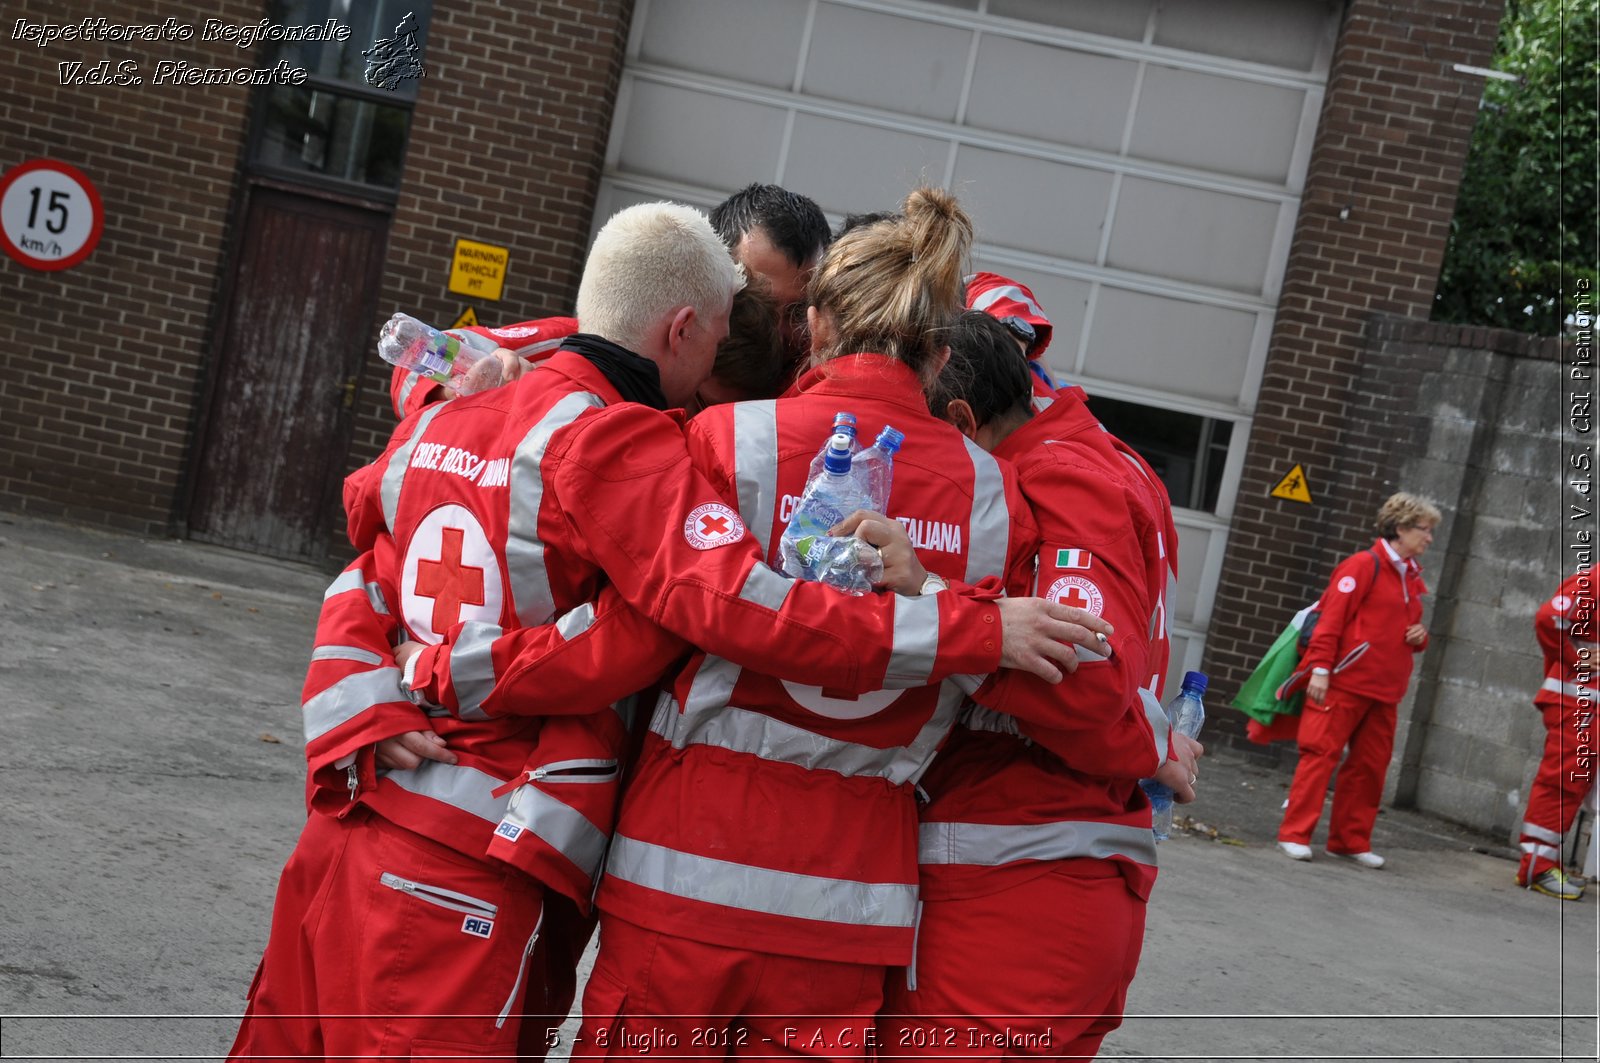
[680,328]
[817,326]
[940,359]
[959,413]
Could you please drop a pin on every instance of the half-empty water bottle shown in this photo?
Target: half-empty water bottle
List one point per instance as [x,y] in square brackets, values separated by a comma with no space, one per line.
[1187,714]
[807,550]
[874,467]
[456,358]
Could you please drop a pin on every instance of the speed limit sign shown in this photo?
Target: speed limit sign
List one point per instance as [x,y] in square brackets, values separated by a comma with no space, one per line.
[50,214]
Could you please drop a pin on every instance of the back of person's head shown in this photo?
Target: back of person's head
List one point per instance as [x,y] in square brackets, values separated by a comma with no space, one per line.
[857,221]
[648,261]
[794,223]
[985,370]
[894,287]
[1405,510]
[751,363]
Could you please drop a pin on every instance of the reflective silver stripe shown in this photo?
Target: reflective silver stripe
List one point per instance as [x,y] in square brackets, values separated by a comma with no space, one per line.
[407,386]
[765,587]
[709,691]
[560,825]
[989,845]
[1159,724]
[1549,852]
[355,580]
[530,583]
[916,641]
[759,889]
[1533,830]
[468,789]
[989,533]
[759,735]
[1571,690]
[755,476]
[349,698]
[1007,291]
[345,653]
[472,667]
[395,473]
[574,622]
[1352,657]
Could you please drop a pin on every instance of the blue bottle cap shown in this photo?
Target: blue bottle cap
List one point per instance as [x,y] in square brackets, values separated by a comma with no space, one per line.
[836,459]
[1195,681]
[889,439]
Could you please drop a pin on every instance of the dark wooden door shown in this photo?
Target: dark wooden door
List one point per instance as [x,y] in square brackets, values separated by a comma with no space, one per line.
[295,334]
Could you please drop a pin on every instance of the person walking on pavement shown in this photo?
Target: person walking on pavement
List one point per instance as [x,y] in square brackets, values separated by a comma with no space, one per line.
[1360,656]
[1564,626]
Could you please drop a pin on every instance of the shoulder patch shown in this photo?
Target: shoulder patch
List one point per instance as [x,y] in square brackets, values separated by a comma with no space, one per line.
[712,525]
[1346,584]
[1079,592]
[1561,603]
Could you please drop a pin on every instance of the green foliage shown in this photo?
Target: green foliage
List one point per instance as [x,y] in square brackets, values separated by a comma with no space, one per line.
[1525,223]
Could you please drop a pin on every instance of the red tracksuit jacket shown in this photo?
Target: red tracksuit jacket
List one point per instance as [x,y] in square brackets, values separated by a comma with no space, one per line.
[1360,637]
[1560,624]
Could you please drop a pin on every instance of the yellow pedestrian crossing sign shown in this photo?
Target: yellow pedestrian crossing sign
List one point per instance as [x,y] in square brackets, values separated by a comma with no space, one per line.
[468,317]
[1294,486]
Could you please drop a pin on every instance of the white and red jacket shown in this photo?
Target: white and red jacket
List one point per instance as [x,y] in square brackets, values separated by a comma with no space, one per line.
[1360,637]
[779,817]
[534,341]
[1562,625]
[1053,777]
[508,510]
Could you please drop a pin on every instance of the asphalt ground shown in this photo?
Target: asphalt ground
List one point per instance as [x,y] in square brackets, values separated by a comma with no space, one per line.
[153,773]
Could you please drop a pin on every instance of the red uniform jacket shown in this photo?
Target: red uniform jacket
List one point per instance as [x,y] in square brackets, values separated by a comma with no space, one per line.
[1561,625]
[1360,637]
[778,816]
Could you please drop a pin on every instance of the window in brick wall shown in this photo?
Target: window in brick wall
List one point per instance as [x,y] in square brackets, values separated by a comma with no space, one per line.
[1187,450]
[335,129]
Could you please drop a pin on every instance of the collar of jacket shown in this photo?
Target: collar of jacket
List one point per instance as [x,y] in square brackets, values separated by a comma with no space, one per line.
[877,375]
[635,377]
[580,370]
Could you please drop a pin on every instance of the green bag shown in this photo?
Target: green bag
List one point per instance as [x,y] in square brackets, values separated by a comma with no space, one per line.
[1258,698]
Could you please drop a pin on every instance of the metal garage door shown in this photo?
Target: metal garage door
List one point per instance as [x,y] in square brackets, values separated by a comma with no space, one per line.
[1138,163]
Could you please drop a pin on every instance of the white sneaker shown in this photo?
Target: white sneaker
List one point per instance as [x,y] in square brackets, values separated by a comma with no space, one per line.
[1295,851]
[1366,859]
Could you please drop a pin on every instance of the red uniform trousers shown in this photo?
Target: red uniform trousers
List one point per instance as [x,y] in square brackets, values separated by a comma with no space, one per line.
[1056,953]
[1559,786]
[698,1000]
[356,967]
[1367,726]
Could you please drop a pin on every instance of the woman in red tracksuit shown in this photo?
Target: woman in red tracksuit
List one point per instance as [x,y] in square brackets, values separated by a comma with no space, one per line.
[1360,657]
[763,873]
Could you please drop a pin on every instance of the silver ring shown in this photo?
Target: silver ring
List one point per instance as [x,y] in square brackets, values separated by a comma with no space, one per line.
[1192,778]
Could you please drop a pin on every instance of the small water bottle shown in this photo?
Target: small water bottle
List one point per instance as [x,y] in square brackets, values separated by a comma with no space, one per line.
[1187,714]
[806,549]
[875,466]
[845,422]
[456,358]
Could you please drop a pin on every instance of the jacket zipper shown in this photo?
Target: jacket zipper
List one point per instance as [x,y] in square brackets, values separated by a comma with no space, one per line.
[576,771]
[440,896]
[522,970]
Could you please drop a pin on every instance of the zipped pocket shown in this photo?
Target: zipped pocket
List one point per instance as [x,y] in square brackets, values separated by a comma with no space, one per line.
[1351,657]
[575,771]
[438,895]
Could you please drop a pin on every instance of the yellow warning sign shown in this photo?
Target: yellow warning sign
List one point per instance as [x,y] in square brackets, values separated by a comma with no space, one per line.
[468,317]
[479,270]
[1294,486]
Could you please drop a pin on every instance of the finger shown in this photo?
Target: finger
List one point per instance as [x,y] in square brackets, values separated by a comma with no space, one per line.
[1081,617]
[849,524]
[395,756]
[1041,667]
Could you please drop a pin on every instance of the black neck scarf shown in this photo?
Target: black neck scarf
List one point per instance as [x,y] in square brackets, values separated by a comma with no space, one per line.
[635,377]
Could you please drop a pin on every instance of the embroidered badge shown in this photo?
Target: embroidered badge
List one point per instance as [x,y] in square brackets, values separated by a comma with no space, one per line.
[508,830]
[1078,592]
[1074,559]
[1561,603]
[1347,584]
[712,525]
[477,926]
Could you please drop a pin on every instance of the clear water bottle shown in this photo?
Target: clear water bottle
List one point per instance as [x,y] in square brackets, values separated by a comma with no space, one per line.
[456,358]
[875,466]
[807,550]
[1187,714]
[845,422]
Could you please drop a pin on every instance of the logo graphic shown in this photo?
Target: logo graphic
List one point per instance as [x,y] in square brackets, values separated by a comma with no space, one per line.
[477,926]
[1074,559]
[508,830]
[392,60]
[1561,603]
[1347,584]
[712,525]
[450,574]
[1078,592]
[814,700]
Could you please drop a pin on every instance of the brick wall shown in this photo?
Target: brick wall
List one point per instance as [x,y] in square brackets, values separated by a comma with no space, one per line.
[1380,191]
[103,359]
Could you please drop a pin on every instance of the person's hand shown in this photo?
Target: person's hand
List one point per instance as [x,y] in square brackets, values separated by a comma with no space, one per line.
[1182,768]
[1317,689]
[405,651]
[1415,634]
[1041,636]
[500,366]
[409,750]
[903,572]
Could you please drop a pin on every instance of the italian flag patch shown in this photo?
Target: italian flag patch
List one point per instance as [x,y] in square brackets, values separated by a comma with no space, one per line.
[1073,558]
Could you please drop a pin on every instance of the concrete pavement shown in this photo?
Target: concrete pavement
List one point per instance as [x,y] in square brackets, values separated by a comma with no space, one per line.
[152,774]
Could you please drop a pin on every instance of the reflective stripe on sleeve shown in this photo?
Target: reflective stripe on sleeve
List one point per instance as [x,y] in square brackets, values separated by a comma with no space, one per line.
[916,641]
[353,580]
[525,565]
[765,587]
[561,826]
[755,474]
[1160,726]
[759,889]
[1571,690]
[394,474]
[407,386]
[349,698]
[468,789]
[574,622]
[989,845]
[472,667]
[989,532]
[345,653]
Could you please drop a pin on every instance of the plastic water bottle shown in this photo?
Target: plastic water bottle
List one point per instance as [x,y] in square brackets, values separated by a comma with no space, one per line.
[845,422]
[807,550]
[456,358]
[875,467]
[1187,714]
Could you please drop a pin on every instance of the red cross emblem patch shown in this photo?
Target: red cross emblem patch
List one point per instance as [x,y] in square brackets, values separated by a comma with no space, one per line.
[712,525]
[450,574]
[1078,592]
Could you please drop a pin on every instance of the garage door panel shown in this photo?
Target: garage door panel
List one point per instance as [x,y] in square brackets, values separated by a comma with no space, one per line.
[1173,345]
[847,167]
[1033,204]
[1217,124]
[886,62]
[1285,33]
[699,138]
[1193,234]
[757,41]
[1055,94]
[1124,18]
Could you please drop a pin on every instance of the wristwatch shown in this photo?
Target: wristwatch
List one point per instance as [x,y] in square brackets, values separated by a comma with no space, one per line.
[934,583]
